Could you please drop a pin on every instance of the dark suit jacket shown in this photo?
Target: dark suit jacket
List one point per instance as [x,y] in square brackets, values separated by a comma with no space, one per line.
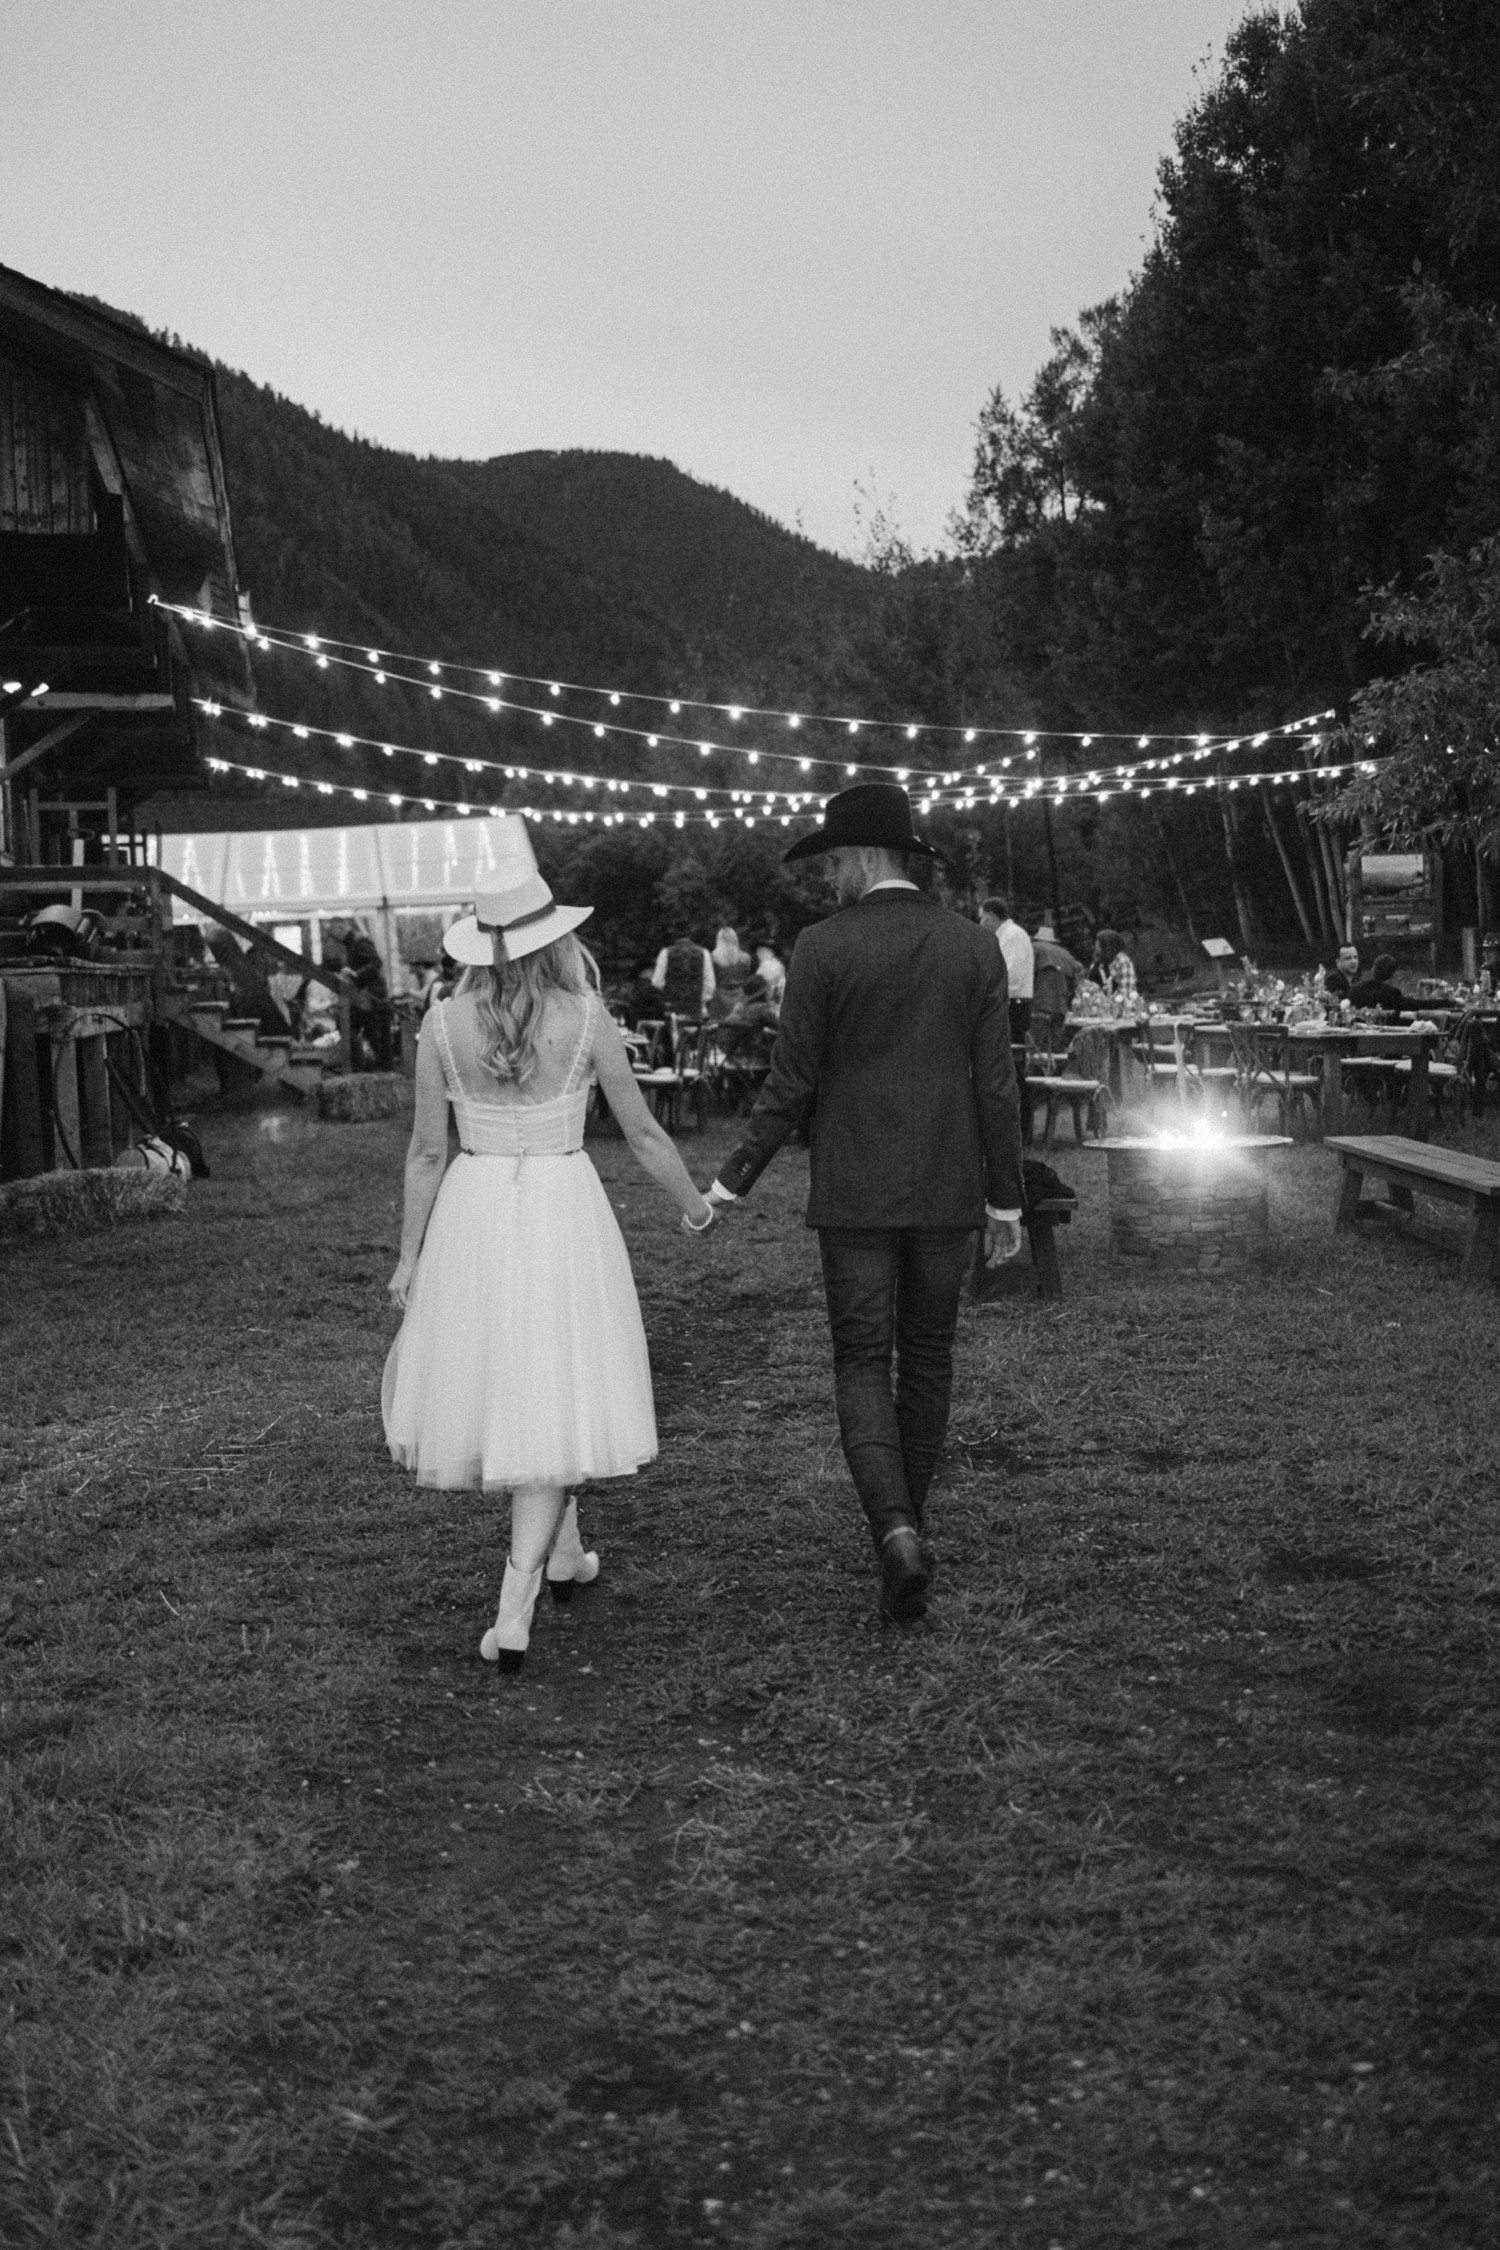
[895,1020]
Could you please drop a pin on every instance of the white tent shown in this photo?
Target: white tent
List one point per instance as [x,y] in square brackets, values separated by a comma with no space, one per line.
[304,875]
[300,872]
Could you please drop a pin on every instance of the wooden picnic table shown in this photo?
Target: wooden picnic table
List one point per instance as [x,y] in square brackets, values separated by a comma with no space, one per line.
[1410,1168]
[1339,1044]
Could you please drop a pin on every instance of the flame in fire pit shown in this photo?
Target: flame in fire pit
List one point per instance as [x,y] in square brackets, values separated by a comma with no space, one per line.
[1203,1135]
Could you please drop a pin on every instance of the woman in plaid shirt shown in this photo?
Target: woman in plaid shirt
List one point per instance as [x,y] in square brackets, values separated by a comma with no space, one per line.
[1113,968]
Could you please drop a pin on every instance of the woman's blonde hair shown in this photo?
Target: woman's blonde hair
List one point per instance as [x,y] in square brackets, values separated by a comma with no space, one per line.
[512,998]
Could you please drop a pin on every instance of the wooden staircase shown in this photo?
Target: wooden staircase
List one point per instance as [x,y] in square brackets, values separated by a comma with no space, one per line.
[279,1060]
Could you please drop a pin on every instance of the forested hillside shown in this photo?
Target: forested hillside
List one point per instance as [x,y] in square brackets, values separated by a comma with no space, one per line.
[595,566]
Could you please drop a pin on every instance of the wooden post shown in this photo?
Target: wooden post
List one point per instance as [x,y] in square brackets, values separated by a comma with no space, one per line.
[1333,1091]
[23,1145]
[1417,1097]
[95,1143]
[117,1050]
[67,1153]
[1348,1210]
[1482,1256]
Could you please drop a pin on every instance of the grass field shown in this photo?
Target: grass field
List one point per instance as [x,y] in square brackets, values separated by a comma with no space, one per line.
[1145,1895]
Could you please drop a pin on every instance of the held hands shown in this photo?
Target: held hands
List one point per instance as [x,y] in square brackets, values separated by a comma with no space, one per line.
[715,1203]
[1002,1240]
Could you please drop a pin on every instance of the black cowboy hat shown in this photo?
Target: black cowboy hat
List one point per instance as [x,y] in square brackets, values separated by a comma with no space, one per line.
[872,812]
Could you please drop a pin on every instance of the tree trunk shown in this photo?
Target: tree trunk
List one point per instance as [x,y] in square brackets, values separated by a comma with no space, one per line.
[1171,859]
[1315,873]
[1244,904]
[1052,862]
[1354,889]
[1334,875]
[1481,893]
[1286,867]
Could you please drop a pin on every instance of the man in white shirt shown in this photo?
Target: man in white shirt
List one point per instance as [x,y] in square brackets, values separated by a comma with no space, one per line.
[1020,963]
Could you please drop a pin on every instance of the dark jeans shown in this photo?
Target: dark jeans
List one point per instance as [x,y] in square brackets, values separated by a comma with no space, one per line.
[893,1291]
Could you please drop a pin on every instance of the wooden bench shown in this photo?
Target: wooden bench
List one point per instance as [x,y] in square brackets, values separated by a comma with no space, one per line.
[1039,1221]
[1415,1167]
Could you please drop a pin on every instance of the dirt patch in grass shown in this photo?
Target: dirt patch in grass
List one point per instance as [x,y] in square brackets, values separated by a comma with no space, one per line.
[1144,1895]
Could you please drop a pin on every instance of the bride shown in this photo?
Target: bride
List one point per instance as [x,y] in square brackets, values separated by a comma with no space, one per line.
[521,1362]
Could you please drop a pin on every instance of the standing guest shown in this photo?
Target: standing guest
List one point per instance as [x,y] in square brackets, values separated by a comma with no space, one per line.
[346,946]
[732,969]
[1380,989]
[894,1029]
[640,997]
[1113,968]
[521,1363]
[423,983]
[684,976]
[770,971]
[1020,963]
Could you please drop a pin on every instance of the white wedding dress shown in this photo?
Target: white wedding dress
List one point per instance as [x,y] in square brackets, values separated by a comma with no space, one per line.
[522,1358]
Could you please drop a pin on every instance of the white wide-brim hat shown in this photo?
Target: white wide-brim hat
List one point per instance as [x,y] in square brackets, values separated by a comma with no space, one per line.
[507,925]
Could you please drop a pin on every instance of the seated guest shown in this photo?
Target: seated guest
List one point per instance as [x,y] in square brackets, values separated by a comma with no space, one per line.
[770,971]
[1112,966]
[1379,989]
[739,1032]
[1048,953]
[639,997]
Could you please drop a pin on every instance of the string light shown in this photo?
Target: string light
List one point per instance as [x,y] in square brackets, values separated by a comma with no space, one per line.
[943,793]
[273,637]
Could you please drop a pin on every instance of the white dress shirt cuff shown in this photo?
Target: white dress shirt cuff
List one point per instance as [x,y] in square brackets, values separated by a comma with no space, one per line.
[989,1211]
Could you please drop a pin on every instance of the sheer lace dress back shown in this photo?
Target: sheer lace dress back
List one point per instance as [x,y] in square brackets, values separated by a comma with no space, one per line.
[544,1117]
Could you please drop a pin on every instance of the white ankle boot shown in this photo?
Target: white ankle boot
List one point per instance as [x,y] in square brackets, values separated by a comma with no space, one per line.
[508,1638]
[570,1563]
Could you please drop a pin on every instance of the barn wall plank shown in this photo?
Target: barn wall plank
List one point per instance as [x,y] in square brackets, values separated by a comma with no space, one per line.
[7,448]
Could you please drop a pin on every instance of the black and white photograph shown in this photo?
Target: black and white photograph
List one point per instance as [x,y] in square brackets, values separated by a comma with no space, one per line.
[749,1125]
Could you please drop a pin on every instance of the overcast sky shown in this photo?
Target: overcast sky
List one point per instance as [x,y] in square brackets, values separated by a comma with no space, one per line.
[789,244]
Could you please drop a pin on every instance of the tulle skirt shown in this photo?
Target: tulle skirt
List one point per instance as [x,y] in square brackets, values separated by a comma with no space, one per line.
[522,1358]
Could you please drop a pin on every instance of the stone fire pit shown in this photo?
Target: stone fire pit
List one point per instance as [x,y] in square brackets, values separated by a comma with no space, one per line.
[1190,1205]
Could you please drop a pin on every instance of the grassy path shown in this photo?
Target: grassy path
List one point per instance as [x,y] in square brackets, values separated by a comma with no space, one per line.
[1146,1895]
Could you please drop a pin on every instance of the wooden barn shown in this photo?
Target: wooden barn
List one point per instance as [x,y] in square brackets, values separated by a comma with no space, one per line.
[112,500]
[111,491]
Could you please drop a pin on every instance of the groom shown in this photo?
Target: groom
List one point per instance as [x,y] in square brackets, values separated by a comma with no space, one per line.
[894,1025]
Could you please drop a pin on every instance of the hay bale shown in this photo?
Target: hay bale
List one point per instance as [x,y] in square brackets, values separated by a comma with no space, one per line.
[358,1098]
[81,1202]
